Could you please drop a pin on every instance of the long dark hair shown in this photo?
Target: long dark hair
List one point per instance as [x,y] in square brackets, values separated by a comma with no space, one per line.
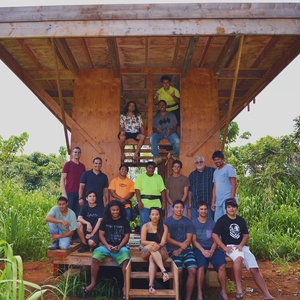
[107,214]
[160,224]
[125,111]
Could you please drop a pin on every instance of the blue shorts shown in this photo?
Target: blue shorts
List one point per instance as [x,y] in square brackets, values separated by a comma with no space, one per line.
[217,260]
[186,257]
[101,252]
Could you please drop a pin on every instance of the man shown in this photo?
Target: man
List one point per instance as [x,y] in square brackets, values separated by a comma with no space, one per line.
[224,184]
[205,250]
[62,224]
[150,192]
[164,126]
[89,220]
[122,189]
[171,95]
[70,177]
[94,180]
[131,127]
[201,188]
[177,188]
[231,234]
[179,238]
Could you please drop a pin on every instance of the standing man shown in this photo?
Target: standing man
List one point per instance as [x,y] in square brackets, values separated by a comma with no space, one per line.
[171,95]
[164,126]
[62,224]
[177,188]
[231,235]
[179,238]
[205,250]
[201,188]
[131,127]
[224,184]
[70,178]
[122,189]
[150,192]
[94,180]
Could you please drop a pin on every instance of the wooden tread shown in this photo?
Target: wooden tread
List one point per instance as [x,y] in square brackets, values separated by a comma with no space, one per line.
[161,293]
[135,274]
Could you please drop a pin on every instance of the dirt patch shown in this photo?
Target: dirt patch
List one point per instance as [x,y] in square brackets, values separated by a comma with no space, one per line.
[282,281]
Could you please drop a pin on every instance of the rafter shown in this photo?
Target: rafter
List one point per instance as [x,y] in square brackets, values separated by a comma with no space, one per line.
[189,54]
[86,52]
[113,51]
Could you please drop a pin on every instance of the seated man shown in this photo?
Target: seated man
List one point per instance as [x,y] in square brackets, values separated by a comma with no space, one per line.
[179,239]
[231,234]
[122,189]
[89,220]
[62,224]
[114,235]
[131,127]
[164,126]
[205,250]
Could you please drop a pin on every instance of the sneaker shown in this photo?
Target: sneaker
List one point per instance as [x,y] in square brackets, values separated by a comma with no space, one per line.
[54,246]
[84,248]
[175,157]
[157,160]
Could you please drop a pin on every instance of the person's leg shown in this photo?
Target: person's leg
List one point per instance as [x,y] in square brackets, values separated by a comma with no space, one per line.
[95,266]
[124,265]
[157,258]
[190,283]
[200,279]
[128,214]
[53,229]
[190,263]
[80,232]
[194,212]
[170,210]
[237,269]
[152,272]
[222,280]
[219,212]
[122,138]
[185,211]
[141,138]
[155,138]
[73,202]
[210,213]
[144,216]
[175,142]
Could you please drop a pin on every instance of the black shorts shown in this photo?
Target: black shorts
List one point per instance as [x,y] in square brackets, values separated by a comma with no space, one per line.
[130,135]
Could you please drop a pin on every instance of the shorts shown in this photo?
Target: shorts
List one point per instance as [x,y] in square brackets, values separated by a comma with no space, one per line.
[246,254]
[130,135]
[186,257]
[101,253]
[217,260]
[94,238]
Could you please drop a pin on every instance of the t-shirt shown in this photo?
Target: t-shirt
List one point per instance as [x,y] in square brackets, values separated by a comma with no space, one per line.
[203,232]
[150,185]
[164,122]
[74,172]
[223,185]
[178,230]
[202,185]
[115,230]
[70,217]
[176,186]
[122,187]
[231,231]
[131,124]
[166,95]
[91,214]
[96,182]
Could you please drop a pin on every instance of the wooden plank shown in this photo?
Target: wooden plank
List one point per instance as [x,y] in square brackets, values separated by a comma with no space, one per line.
[189,54]
[113,52]
[144,293]
[116,28]
[150,11]
[62,253]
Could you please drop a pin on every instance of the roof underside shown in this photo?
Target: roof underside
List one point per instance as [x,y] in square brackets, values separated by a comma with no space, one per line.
[138,41]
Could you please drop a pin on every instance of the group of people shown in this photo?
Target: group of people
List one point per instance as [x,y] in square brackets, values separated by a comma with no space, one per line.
[201,224]
[166,123]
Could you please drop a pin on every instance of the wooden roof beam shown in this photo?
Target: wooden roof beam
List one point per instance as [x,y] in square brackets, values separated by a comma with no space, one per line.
[66,54]
[243,74]
[229,47]
[176,52]
[87,52]
[50,74]
[189,54]
[206,51]
[113,51]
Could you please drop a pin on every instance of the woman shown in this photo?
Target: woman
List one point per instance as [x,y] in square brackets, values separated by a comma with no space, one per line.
[153,239]
[114,235]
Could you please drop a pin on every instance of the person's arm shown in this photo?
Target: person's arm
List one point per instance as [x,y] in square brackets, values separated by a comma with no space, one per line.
[105,196]
[144,240]
[96,228]
[175,98]
[142,129]
[206,253]
[213,200]
[174,129]
[185,195]
[243,242]
[51,219]
[190,200]
[233,186]
[104,241]
[80,194]
[138,198]
[89,227]
[63,184]
[164,199]
[169,200]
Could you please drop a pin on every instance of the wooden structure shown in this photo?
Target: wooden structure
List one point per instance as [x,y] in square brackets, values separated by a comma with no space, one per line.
[85,62]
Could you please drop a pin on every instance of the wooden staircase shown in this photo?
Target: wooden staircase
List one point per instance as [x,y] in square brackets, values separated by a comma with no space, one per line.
[135,271]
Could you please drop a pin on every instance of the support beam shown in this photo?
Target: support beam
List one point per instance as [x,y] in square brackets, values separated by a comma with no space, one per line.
[113,51]
[189,54]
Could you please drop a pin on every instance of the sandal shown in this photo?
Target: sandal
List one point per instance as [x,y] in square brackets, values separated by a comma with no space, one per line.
[165,276]
[239,296]
[152,290]
[220,297]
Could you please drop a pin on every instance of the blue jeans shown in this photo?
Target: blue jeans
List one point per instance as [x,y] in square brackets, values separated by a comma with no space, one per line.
[220,211]
[174,140]
[210,213]
[73,202]
[63,243]
[128,214]
[144,216]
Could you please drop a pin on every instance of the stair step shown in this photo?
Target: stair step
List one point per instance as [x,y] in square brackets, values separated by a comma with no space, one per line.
[136,274]
[161,293]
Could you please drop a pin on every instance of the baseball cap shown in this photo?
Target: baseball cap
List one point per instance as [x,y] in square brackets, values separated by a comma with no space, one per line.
[231,201]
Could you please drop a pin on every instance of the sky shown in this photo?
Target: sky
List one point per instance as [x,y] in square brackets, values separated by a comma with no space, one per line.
[272,114]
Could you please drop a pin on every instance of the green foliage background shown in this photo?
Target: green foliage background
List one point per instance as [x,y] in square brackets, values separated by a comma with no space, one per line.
[268,191]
